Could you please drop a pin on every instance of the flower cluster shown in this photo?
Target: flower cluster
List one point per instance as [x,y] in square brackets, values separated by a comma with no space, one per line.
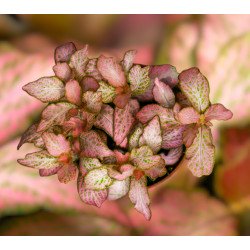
[117,126]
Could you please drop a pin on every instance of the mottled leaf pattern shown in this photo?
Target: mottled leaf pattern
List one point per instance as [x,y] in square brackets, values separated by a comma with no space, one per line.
[172,137]
[67,173]
[188,115]
[134,137]
[73,92]
[91,69]
[218,112]
[128,60]
[111,71]
[118,189]
[46,89]
[139,79]
[195,86]
[200,154]
[108,92]
[173,155]
[90,163]
[64,52]
[93,101]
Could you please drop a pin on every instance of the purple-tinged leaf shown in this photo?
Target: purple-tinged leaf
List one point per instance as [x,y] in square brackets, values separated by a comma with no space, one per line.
[121,100]
[139,79]
[90,163]
[48,172]
[93,146]
[120,157]
[108,92]
[182,100]
[148,112]
[173,155]
[157,171]
[138,195]
[39,160]
[56,144]
[123,123]
[176,108]
[78,62]
[189,134]
[97,179]
[54,114]
[92,101]
[163,94]
[200,154]
[91,69]
[218,112]
[64,52]
[152,134]
[134,137]
[111,71]
[62,71]
[67,173]
[30,135]
[172,137]
[73,92]
[89,83]
[46,89]
[105,120]
[196,88]
[188,116]
[118,189]
[128,60]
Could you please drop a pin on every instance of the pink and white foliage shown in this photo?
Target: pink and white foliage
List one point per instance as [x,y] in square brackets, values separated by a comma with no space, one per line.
[97,125]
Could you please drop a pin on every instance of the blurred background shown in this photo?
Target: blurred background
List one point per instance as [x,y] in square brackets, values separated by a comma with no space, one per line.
[183,205]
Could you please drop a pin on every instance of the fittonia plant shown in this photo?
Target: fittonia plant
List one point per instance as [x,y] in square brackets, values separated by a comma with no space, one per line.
[118,127]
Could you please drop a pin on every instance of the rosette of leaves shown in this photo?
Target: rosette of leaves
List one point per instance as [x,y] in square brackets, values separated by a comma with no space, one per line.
[119,126]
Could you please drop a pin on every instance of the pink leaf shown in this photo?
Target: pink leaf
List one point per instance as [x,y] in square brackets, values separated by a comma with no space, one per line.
[173,155]
[93,146]
[48,172]
[148,112]
[152,134]
[188,115]
[62,71]
[182,100]
[67,173]
[172,137]
[163,94]
[89,83]
[54,114]
[108,92]
[104,120]
[128,60]
[111,71]
[156,172]
[118,189]
[139,79]
[90,163]
[218,112]
[200,154]
[78,62]
[91,69]
[196,87]
[189,134]
[138,195]
[124,143]
[92,101]
[74,125]
[46,89]
[120,157]
[56,144]
[30,135]
[39,160]
[125,171]
[121,100]
[134,137]
[123,123]
[97,179]
[73,92]
[64,52]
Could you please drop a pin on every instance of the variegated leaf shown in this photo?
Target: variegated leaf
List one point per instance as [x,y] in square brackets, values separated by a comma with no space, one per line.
[97,179]
[218,112]
[90,163]
[56,144]
[163,94]
[134,137]
[157,171]
[67,173]
[39,160]
[128,60]
[111,71]
[196,88]
[91,69]
[173,155]
[200,154]
[62,71]
[54,114]
[73,92]
[89,83]
[92,101]
[152,134]
[188,115]
[46,89]
[172,137]
[64,52]
[108,92]
[118,189]
[138,195]
[139,79]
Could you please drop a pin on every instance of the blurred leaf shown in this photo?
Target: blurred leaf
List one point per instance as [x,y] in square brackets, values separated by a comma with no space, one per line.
[176,212]
[232,181]
[17,69]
